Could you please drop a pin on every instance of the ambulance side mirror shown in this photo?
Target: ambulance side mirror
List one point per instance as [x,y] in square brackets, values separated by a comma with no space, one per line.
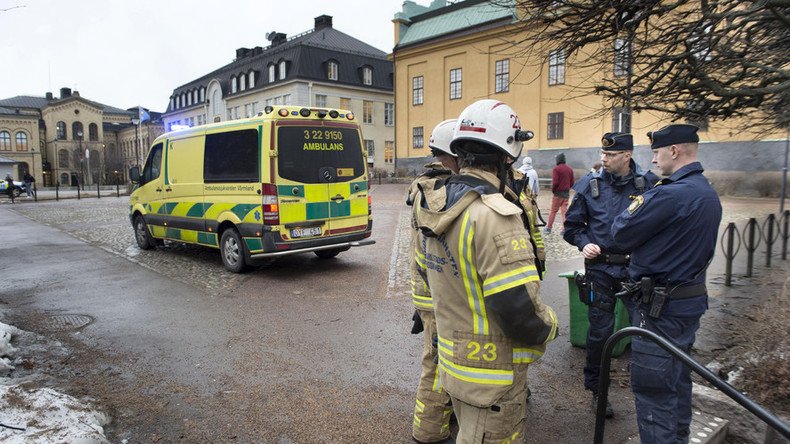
[134,174]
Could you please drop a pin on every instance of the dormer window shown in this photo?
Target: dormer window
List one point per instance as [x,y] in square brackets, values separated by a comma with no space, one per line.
[331,70]
[367,75]
[203,94]
[189,99]
[242,82]
[271,73]
[195,96]
[251,79]
[282,69]
[234,84]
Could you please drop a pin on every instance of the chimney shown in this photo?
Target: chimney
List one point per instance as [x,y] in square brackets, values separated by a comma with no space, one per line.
[278,38]
[65,92]
[48,95]
[242,52]
[323,21]
[257,50]
[75,93]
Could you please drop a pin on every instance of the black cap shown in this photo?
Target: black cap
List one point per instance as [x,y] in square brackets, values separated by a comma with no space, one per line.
[560,158]
[617,142]
[672,135]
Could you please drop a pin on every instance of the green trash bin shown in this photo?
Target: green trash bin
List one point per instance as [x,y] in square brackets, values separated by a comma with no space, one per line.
[580,323]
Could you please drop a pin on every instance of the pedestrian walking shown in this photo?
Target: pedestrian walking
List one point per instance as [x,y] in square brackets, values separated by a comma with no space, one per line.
[561,183]
[9,188]
[432,409]
[599,198]
[29,184]
[474,253]
[528,171]
[671,231]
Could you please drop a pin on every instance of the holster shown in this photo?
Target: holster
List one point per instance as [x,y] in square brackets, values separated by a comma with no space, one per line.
[645,292]
[583,285]
[417,327]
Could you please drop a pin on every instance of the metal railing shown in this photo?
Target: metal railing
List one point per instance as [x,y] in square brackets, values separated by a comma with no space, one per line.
[603,388]
[771,230]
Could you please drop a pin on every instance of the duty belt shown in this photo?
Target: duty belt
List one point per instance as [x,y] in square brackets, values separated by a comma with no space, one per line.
[656,296]
[609,258]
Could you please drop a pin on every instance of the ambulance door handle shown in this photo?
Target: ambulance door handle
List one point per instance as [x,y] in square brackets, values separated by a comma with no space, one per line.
[338,197]
[168,189]
[158,190]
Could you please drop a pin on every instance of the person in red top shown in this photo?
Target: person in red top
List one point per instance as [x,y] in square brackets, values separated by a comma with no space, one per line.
[561,183]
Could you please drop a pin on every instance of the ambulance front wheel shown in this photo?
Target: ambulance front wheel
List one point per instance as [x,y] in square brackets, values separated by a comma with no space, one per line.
[232,251]
[141,234]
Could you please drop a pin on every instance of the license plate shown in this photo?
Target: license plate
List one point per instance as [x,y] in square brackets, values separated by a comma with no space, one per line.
[305,232]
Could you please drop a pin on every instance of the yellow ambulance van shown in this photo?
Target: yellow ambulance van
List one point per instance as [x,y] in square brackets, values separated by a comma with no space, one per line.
[290,180]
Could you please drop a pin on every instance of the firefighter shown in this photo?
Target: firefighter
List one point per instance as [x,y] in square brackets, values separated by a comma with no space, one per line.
[432,407]
[475,255]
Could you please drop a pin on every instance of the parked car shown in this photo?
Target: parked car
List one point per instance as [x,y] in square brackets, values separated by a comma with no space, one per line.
[19,187]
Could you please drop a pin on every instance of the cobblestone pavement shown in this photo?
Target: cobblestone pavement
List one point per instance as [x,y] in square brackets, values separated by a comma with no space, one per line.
[104,222]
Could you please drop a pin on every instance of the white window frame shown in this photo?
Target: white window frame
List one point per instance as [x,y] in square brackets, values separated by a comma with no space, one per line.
[282,69]
[242,82]
[367,112]
[557,67]
[331,70]
[389,114]
[320,100]
[271,73]
[367,75]
[251,77]
[234,83]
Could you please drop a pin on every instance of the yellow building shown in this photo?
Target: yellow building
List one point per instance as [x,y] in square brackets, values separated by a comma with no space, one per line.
[447,56]
[69,140]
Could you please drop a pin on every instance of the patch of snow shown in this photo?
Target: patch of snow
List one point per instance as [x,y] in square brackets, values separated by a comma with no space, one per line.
[41,415]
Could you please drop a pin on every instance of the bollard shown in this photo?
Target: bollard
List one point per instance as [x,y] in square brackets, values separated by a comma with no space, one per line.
[35,193]
[751,247]
[785,226]
[117,190]
[98,191]
[57,190]
[729,254]
[78,193]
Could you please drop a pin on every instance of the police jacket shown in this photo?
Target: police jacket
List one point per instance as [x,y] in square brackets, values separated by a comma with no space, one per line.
[672,229]
[599,198]
[436,172]
[476,257]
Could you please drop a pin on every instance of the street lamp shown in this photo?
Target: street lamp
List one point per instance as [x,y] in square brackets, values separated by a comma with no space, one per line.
[82,160]
[136,123]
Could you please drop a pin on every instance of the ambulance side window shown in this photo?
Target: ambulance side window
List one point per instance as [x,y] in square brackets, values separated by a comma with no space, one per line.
[154,164]
[232,156]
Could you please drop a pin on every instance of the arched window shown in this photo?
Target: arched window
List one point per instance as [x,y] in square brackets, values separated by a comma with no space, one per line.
[172,103]
[21,141]
[5,141]
[282,69]
[64,179]
[234,86]
[183,99]
[61,131]
[76,131]
[195,96]
[189,99]
[63,159]
[251,79]
[242,82]
[271,73]
[203,94]
[217,103]
[93,132]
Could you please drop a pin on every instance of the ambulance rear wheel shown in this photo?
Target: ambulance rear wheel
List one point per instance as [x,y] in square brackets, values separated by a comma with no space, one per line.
[141,233]
[232,251]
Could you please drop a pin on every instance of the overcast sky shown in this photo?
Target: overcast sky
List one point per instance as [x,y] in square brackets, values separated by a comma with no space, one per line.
[127,53]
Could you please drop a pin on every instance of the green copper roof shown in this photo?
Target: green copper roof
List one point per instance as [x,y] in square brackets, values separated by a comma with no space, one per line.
[453,21]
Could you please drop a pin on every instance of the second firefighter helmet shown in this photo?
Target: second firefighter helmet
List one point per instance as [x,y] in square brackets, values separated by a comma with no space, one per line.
[492,122]
[441,136]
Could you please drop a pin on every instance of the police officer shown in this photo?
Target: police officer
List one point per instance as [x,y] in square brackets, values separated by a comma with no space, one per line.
[600,196]
[671,231]
[432,410]
[475,255]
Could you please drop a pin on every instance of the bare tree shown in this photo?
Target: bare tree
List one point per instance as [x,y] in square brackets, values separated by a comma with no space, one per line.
[694,59]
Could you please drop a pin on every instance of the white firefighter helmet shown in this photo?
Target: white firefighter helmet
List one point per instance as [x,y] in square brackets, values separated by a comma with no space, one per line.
[441,136]
[493,123]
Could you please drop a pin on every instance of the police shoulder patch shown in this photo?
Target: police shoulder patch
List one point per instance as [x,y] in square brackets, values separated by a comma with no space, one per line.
[498,203]
[635,204]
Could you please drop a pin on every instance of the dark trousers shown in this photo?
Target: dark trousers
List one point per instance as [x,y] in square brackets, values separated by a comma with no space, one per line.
[601,324]
[662,384]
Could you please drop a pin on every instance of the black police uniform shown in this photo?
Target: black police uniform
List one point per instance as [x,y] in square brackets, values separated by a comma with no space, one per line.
[671,231]
[599,198]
